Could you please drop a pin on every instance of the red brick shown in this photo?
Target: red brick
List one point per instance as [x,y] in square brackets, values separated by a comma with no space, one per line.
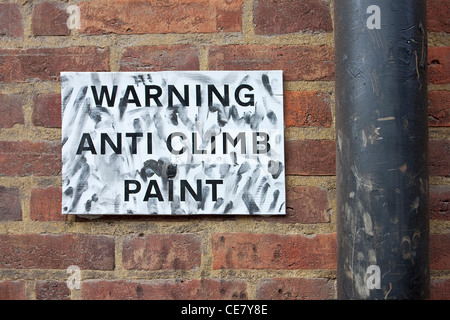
[50,19]
[439,65]
[47,110]
[304,204]
[12,290]
[52,290]
[439,157]
[159,252]
[156,58]
[307,205]
[295,289]
[440,202]
[287,16]
[440,289]
[10,207]
[155,16]
[439,253]
[23,158]
[47,63]
[45,204]
[10,20]
[439,109]
[11,110]
[438,16]
[205,289]
[307,109]
[34,251]
[273,251]
[310,157]
[297,62]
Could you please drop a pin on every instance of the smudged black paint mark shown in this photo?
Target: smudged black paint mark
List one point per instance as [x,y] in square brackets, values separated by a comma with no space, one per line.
[205,194]
[218,203]
[272,117]
[171,170]
[266,83]
[228,207]
[97,113]
[275,168]
[264,190]
[276,194]
[122,107]
[224,170]
[222,117]
[250,203]
[82,184]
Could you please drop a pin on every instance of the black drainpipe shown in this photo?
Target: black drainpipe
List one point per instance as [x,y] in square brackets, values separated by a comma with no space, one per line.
[382,149]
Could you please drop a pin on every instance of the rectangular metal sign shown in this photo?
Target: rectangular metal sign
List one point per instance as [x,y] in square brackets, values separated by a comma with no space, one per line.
[190,142]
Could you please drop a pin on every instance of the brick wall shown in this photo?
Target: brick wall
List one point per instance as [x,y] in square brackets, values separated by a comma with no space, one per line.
[292,257]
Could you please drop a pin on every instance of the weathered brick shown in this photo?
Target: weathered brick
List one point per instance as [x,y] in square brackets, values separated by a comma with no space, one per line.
[45,204]
[297,62]
[47,110]
[439,109]
[47,63]
[304,204]
[439,157]
[287,16]
[439,65]
[10,20]
[307,204]
[273,251]
[205,289]
[23,158]
[440,289]
[440,202]
[10,207]
[439,253]
[156,58]
[310,157]
[50,19]
[11,110]
[52,290]
[157,252]
[35,251]
[295,289]
[12,290]
[437,15]
[307,109]
[155,16]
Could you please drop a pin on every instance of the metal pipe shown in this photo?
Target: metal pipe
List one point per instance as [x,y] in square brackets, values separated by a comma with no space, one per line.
[382,149]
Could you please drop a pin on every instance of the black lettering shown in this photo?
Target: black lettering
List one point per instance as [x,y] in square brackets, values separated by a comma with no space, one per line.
[214,184]
[264,143]
[149,143]
[86,137]
[104,93]
[134,136]
[154,96]
[169,142]
[158,194]
[127,188]
[224,100]
[198,91]
[126,96]
[173,90]
[196,195]
[117,148]
[250,97]
[194,145]
[240,137]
